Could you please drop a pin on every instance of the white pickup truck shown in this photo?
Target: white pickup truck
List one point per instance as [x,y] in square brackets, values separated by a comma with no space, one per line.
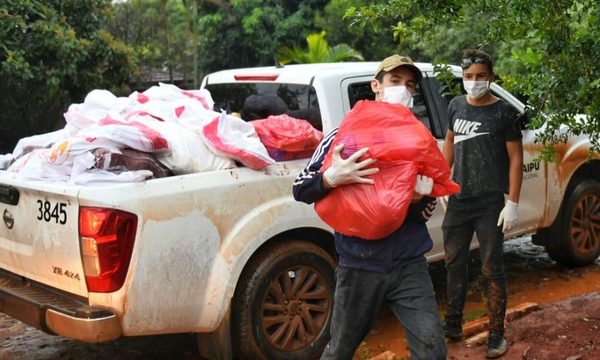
[229,254]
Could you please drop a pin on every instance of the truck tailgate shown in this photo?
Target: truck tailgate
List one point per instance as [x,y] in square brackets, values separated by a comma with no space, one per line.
[39,233]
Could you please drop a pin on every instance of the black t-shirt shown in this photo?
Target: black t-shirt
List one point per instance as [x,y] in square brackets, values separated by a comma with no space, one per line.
[480,135]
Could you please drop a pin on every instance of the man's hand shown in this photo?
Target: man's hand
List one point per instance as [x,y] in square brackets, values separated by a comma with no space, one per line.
[508,216]
[424,185]
[348,171]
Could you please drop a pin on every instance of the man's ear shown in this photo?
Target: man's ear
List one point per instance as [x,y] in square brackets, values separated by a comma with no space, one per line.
[375,86]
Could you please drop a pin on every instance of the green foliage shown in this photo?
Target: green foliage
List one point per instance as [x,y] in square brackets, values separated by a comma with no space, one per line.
[201,36]
[363,351]
[446,77]
[248,32]
[373,42]
[546,51]
[318,51]
[51,54]
[159,32]
[474,315]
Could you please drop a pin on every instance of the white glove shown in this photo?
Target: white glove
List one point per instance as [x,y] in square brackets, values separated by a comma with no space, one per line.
[508,216]
[424,185]
[350,170]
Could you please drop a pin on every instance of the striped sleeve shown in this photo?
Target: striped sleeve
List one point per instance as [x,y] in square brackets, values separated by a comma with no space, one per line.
[308,185]
[422,210]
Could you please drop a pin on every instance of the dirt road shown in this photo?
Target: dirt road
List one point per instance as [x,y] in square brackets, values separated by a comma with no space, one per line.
[532,276]
[564,330]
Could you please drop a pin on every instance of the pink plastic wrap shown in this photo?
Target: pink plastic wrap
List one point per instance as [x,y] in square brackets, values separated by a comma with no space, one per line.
[287,138]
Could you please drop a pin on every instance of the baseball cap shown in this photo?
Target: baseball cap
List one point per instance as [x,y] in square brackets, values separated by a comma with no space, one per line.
[392,62]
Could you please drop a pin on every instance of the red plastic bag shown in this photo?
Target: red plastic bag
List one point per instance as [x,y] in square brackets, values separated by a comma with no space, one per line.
[403,148]
[287,138]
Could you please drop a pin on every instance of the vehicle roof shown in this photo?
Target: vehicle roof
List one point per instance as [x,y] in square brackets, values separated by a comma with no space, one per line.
[306,73]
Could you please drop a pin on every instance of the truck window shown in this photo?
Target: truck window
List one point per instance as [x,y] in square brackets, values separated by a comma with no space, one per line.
[362,91]
[264,99]
[442,101]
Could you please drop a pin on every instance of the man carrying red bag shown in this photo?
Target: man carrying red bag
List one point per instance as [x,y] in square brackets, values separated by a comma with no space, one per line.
[392,268]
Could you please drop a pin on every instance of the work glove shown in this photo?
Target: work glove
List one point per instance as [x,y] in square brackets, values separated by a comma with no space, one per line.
[424,185]
[508,216]
[350,170]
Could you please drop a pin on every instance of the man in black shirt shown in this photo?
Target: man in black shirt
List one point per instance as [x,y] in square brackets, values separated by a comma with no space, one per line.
[392,269]
[484,144]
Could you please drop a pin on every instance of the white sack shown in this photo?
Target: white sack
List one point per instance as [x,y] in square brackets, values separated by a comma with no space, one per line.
[99,177]
[41,141]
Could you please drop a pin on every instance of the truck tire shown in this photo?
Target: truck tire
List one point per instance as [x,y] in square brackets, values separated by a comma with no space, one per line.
[579,242]
[283,303]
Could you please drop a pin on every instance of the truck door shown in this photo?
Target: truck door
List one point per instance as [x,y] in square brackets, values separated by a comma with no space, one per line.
[426,107]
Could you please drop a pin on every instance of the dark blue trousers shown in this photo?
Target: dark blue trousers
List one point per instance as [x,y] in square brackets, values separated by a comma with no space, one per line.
[465,217]
[409,293]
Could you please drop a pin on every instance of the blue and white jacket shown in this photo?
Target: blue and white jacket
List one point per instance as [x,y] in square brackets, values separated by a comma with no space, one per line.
[404,246]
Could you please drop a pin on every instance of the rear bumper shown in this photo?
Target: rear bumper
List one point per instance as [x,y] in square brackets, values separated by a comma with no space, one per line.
[54,312]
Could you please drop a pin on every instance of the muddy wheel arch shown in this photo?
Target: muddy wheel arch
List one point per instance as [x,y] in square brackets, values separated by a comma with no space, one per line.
[283,303]
[574,237]
[223,342]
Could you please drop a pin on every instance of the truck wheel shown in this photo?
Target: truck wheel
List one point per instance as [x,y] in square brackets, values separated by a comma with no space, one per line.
[580,232]
[283,303]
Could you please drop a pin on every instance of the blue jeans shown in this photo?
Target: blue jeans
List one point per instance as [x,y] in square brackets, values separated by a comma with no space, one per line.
[464,217]
[408,290]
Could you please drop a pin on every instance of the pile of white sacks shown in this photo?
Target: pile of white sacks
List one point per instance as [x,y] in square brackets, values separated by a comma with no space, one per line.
[178,127]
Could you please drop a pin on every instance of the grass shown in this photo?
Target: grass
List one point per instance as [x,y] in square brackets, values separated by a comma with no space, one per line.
[363,351]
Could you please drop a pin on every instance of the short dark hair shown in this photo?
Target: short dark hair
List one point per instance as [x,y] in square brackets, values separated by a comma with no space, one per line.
[262,106]
[475,56]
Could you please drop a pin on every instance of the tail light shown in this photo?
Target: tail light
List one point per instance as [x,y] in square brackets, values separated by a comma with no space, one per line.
[106,237]
[257,77]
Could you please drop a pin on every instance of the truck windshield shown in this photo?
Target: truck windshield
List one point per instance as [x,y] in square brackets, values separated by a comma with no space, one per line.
[254,101]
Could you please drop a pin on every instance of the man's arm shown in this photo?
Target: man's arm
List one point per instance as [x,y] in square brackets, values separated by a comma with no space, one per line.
[352,170]
[312,184]
[448,148]
[308,186]
[515,172]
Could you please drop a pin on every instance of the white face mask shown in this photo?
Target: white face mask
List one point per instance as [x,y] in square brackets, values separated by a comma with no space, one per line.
[397,95]
[476,89]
